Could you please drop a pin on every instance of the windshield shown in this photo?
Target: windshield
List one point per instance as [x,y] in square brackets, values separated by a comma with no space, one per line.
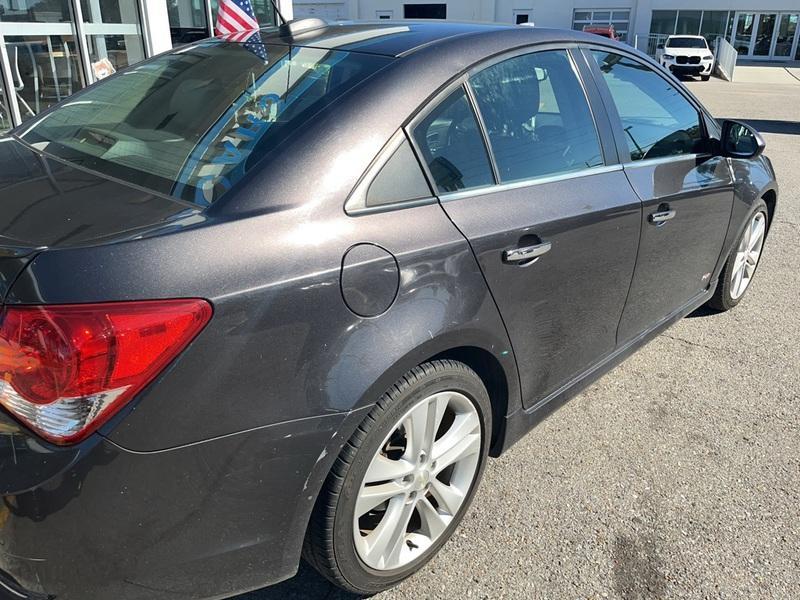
[190,123]
[686,43]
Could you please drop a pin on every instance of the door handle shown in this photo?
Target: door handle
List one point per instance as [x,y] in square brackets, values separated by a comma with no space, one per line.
[661,217]
[527,254]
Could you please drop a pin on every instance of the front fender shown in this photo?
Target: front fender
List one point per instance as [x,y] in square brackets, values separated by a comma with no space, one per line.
[752,181]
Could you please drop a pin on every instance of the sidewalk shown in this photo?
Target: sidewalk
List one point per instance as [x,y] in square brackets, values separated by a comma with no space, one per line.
[749,72]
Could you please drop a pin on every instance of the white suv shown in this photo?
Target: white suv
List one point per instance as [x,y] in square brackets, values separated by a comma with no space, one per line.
[687,55]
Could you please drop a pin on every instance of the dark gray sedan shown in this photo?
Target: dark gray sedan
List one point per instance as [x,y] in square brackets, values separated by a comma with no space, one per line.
[283,295]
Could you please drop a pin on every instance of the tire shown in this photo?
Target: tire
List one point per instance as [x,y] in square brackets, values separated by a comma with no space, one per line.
[705,77]
[336,545]
[729,293]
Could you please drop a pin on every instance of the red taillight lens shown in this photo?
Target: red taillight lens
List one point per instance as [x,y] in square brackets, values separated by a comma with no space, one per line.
[65,370]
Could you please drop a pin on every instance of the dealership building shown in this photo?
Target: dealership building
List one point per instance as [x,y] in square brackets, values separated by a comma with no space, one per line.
[50,49]
[758,29]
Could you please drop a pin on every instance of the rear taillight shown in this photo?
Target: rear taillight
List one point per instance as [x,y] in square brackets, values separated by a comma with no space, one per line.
[66,369]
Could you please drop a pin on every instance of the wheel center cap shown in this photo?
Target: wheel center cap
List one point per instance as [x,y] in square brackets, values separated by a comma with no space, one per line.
[423,478]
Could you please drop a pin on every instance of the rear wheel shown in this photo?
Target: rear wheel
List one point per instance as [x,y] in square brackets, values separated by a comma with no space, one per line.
[705,77]
[403,482]
[739,270]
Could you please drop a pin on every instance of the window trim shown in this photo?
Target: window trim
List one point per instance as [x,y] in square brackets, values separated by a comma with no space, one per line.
[356,203]
[568,49]
[616,121]
[591,93]
[527,183]
[487,141]
[422,113]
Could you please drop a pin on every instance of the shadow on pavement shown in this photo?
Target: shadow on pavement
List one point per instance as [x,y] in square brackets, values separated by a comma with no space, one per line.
[774,126]
[306,585]
[703,311]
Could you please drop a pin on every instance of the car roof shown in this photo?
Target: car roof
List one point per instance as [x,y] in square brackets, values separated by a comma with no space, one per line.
[694,37]
[400,38]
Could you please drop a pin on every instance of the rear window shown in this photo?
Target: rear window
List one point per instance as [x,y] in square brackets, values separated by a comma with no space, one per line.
[686,43]
[191,123]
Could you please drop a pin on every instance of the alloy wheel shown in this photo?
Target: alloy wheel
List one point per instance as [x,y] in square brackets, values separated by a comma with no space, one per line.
[748,255]
[417,481]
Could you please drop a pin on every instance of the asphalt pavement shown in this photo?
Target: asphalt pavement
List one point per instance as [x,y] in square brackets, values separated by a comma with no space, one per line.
[677,475]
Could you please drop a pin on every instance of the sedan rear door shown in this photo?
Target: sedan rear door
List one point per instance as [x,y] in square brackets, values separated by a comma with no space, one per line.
[547,210]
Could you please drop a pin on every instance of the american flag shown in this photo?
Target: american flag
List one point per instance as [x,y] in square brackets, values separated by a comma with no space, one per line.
[234,16]
[236,22]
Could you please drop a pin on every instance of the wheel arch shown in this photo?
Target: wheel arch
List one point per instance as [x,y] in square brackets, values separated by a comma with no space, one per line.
[494,377]
[770,197]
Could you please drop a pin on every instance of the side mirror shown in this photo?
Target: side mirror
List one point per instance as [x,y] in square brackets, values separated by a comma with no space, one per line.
[740,140]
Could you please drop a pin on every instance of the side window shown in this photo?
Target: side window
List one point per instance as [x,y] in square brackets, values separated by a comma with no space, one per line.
[399,180]
[537,116]
[452,145]
[657,119]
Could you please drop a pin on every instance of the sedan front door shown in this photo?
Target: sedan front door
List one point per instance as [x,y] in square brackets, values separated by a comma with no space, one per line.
[687,193]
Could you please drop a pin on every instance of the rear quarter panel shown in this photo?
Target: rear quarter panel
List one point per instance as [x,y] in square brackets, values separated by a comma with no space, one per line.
[282,345]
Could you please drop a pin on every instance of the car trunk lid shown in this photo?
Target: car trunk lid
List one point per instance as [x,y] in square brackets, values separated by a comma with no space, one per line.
[46,203]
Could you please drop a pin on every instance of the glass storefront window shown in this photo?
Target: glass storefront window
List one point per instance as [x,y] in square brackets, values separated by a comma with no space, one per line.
[35,11]
[715,24]
[5,113]
[119,50]
[688,22]
[188,21]
[787,28]
[45,69]
[109,11]
[620,19]
[744,32]
[265,14]
[797,53]
[764,33]
[114,36]
[663,21]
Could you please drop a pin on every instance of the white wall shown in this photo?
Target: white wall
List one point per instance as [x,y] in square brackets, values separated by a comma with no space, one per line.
[546,13]
[156,20]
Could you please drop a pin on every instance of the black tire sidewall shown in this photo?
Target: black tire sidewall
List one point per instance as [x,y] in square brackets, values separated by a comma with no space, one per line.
[355,572]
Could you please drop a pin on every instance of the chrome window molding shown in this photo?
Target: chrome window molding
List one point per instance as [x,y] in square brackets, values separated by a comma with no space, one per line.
[526,183]
[665,159]
[371,210]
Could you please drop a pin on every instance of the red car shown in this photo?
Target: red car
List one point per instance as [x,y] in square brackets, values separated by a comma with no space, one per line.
[604,30]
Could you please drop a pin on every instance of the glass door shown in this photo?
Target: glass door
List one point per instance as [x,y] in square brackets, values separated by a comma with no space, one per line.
[113,35]
[743,33]
[765,30]
[785,35]
[5,113]
[40,54]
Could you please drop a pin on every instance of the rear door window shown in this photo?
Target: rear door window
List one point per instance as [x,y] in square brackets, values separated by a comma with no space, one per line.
[658,121]
[191,123]
[537,116]
[451,144]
